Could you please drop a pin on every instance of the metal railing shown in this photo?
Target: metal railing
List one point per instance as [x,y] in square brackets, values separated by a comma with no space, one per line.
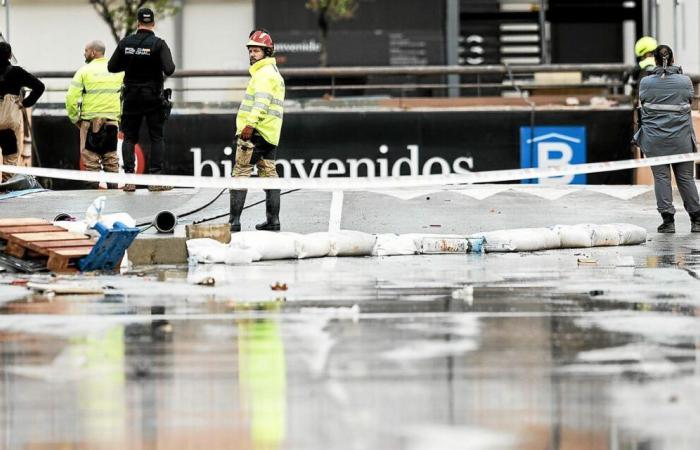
[479,79]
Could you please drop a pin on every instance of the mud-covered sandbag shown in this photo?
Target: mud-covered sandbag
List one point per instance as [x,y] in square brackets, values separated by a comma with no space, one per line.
[351,243]
[575,236]
[607,235]
[519,240]
[313,245]
[269,244]
[631,234]
[390,244]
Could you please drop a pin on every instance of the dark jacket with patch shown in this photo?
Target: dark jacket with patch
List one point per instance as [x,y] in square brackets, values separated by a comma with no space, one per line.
[144,57]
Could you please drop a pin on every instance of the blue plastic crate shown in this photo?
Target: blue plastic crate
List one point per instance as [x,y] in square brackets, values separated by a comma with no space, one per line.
[110,247]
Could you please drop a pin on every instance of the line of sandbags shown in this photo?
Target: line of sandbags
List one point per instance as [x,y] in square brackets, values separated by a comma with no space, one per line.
[249,246]
[562,236]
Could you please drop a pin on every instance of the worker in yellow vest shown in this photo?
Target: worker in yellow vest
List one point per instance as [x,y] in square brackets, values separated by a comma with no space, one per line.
[258,128]
[93,103]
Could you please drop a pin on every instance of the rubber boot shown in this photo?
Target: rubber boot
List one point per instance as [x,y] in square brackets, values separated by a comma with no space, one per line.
[272,211]
[237,198]
[669,225]
[695,222]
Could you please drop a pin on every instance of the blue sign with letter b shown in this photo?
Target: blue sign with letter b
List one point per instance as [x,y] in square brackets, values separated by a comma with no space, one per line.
[553,147]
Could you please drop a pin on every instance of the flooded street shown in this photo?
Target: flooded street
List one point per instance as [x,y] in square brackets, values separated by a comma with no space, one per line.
[497,351]
[595,348]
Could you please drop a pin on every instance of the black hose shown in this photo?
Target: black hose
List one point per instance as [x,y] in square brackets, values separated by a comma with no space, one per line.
[206,205]
[208,219]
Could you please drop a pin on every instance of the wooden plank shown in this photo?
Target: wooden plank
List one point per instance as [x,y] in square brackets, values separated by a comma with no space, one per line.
[14,249]
[23,221]
[60,260]
[59,244]
[38,237]
[29,229]
[71,251]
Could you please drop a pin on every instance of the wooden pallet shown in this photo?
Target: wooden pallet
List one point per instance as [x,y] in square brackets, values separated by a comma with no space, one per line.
[37,238]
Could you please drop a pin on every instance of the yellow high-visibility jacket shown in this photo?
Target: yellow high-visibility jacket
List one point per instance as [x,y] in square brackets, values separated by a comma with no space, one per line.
[263,104]
[100,91]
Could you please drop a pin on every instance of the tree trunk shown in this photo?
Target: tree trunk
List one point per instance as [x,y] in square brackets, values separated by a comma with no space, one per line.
[323,26]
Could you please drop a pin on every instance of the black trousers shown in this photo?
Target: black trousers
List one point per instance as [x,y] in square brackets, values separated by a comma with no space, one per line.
[143,102]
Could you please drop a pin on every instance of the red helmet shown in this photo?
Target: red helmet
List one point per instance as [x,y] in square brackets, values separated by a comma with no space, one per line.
[261,39]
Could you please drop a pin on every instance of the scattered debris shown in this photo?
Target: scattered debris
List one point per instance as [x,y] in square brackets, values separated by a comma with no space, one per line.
[64,289]
[208,281]
[587,261]
[279,286]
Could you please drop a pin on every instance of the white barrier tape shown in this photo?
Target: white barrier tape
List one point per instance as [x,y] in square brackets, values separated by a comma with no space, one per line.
[345,183]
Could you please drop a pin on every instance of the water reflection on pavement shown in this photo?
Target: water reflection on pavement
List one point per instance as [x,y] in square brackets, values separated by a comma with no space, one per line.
[448,352]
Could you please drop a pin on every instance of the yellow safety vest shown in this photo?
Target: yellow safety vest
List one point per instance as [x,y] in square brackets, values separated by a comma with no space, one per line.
[100,92]
[263,104]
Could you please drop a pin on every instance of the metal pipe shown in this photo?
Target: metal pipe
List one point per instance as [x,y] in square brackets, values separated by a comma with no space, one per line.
[165,222]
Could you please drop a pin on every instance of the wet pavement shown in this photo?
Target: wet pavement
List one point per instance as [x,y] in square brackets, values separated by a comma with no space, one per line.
[563,349]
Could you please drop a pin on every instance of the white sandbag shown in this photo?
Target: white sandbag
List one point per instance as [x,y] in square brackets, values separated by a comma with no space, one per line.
[207,250]
[575,236]
[607,235]
[236,256]
[351,243]
[631,234]
[394,244]
[269,244]
[519,240]
[314,245]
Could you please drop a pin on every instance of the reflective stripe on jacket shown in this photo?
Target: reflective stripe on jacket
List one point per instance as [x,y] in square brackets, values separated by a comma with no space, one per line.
[263,104]
[99,90]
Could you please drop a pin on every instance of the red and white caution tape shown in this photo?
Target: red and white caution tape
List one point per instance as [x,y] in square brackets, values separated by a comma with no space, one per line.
[347,183]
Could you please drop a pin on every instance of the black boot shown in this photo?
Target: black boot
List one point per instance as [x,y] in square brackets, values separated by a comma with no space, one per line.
[272,211]
[669,225]
[237,198]
[695,222]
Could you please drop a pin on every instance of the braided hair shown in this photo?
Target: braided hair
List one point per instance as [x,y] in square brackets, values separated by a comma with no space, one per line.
[663,55]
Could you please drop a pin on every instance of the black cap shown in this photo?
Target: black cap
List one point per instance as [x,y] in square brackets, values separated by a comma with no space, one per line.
[145,15]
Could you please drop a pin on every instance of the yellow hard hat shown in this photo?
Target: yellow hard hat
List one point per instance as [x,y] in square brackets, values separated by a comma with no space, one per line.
[644,45]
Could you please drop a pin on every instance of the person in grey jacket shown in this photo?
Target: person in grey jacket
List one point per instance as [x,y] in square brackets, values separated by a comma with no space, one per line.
[667,129]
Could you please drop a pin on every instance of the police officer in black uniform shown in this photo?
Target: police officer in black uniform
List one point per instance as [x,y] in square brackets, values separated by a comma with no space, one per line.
[146,61]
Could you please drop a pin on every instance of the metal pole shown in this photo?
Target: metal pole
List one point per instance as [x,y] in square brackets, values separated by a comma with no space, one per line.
[6,4]
[543,33]
[452,44]
[179,52]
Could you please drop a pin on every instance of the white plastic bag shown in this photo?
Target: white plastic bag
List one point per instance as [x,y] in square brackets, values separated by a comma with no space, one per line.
[94,211]
[314,245]
[108,219]
[394,245]
[351,243]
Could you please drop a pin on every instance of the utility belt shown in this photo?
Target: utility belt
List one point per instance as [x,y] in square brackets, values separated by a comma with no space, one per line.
[165,95]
